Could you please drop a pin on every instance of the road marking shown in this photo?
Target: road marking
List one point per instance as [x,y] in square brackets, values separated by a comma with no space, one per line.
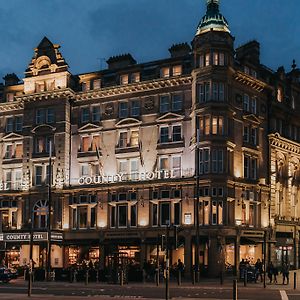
[284,295]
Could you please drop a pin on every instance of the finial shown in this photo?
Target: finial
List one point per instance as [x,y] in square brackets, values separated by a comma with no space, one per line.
[294,64]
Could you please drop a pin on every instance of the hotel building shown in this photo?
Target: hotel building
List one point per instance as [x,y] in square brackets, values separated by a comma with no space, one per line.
[124,160]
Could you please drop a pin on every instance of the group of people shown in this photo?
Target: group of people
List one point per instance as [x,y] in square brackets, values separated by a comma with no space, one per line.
[271,270]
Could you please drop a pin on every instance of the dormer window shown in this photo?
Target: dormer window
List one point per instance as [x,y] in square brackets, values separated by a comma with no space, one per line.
[280,94]
[124,79]
[97,84]
[86,86]
[165,72]
[135,77]
[177,70]
[9,97]
[39,87]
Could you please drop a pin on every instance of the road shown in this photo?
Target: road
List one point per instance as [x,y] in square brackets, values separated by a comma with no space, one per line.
[17,289]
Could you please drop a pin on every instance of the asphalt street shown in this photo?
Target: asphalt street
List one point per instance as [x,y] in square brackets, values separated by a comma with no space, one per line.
[17,289]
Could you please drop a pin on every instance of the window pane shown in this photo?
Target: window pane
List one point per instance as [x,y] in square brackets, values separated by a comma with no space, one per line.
[50,116]
[122,215]
[165,214]
[85,141]
[133,215]
[123,140]
[95,114]
[134,138]
[38,175]
[19,151]
[177,102]
[135,108]
[93,217]
[9,125]
[82,216]
[95,142]
[215,125]
[19,123]
[40,116]
[154,214]
[164,104]
[177,213]
[176,133]
[177,70]
[164,134]
[113,216]
[85,115]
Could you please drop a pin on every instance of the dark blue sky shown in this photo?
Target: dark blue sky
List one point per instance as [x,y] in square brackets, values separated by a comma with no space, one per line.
[90,30]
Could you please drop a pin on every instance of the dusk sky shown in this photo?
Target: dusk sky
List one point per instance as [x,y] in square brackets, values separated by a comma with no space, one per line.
[90,31]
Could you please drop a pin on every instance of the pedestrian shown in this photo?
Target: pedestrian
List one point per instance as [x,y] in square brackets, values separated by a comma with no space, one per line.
[275,273]
[258,270]
[285,273]
[180,267]
[270,271]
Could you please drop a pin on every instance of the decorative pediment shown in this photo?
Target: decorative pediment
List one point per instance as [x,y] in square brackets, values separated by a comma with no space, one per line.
[128,122]
[47,59]
[43,128]
[253,119]
[169,117]
[90,128]
[12,136]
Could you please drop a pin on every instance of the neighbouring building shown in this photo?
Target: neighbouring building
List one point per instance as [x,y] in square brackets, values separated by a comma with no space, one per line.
[124,164]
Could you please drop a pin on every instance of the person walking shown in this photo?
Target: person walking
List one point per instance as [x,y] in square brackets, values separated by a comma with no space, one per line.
[285,273]
[258,270]
[270,271]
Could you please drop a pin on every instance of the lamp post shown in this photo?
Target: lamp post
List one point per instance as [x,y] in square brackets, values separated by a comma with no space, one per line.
[48,272]
[197,208]
[30,269]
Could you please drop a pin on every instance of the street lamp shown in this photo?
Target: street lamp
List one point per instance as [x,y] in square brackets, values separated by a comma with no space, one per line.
[30,269]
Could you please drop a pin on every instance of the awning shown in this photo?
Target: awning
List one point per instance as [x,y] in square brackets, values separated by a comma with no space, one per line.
[250,240]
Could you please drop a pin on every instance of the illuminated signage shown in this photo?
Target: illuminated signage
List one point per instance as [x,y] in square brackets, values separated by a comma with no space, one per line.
[25,237]
[137,176]
[3,186]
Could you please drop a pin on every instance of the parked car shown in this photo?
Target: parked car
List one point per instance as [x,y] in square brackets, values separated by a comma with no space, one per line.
[5,275]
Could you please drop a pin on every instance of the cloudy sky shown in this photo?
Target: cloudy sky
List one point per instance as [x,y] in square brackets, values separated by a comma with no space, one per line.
[90,31]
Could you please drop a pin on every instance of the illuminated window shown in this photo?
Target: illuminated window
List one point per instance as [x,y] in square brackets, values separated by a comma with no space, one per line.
[165,72]
[177,70]
[86,86]
[95,142]
[134,138]
[85,144]
[279,94]
[135,77]
[84,170]
[207,59]
[176,166]
[19,151]
[97,84]
[216,58]
[124,79]
[10,97]
[207,125]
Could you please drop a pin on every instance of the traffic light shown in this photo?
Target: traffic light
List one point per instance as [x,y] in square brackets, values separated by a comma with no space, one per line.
[175,237]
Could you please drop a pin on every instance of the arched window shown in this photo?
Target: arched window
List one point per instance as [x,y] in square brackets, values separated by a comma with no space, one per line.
[40,214]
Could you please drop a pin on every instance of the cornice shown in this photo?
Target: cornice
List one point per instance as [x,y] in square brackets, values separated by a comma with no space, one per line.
[134,87]
[250,81]
[276,140]
[60,93]
[9,106]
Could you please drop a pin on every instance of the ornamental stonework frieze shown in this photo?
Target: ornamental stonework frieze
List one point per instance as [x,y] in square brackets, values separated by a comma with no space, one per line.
[282,143]
[250,81]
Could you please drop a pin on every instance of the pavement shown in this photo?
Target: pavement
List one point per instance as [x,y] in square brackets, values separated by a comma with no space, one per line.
[205,289]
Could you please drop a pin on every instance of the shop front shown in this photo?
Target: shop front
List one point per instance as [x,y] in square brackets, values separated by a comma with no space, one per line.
[284,249]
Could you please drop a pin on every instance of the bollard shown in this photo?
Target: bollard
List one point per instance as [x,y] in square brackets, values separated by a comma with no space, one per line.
[193,277]
[121,278]
[157,277]
[221,278]
[235,291]
[87,277]
[179,278]
[245,278]
[295,280]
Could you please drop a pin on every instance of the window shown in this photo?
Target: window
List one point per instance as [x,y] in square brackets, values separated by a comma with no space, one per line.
[38,175]
[176,166]
[217,161]
[112,216]
[207,59]
[124,79]
[164,104]
[96,114]
[247,70]
[135,77]
[130,168]
[42,144]
[135,108]
[177,213]
[246,104]
[95,142]
[82,216]
[176,134]
[177,70]
[177,101]
[10,97]
[84,170]
[9,125]
[164,134]
[280,94]
[122,215]
[85,144]
[85,114]
[201,61]
[165,72]
[45,115]
[133,215]
[253,105]
[123,139]
[123,109]
[9,151]
[253,139]
[19,150]
[250,167]
[40,214]
[96,84]
[165,213]
[18,123]
[250,135]
[134,138]
[86,86]
[218,91]
[203,92]
[154,214]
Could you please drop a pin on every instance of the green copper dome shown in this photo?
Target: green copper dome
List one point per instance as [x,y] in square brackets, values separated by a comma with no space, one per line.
[213,19]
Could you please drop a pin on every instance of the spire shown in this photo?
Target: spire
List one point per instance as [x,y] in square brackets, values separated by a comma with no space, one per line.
[213,19]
